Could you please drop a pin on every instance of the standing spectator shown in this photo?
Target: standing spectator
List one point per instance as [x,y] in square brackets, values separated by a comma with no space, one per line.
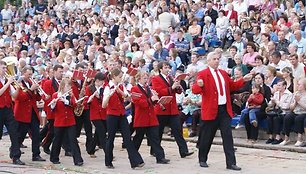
[7,14]
[166,20]
[40,8]
[212,13]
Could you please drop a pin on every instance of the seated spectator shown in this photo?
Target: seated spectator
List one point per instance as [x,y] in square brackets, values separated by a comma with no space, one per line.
[260,67]
[191,107]
[209,33]
[252,132]
[222,25]
[239,97]
[271,78]
[249,57]
[239,43]
[288,77]
[174,61]
[277,108]
[253,105]
[298,106]
[195,31]
[238,62]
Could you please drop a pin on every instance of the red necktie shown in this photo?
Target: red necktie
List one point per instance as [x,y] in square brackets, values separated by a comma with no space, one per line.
[220,84]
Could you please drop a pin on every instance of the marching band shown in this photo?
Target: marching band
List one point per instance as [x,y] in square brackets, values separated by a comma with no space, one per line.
[92,99]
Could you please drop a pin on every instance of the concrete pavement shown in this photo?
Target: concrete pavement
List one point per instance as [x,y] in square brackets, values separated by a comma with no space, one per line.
[250,159]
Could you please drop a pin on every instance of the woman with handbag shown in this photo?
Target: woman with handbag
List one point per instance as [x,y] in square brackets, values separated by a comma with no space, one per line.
[277,108]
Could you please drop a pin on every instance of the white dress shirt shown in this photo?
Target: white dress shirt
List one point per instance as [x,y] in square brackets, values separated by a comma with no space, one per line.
[221,99]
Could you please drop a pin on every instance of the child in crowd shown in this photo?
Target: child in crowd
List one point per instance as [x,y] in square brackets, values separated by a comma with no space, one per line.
[253,105]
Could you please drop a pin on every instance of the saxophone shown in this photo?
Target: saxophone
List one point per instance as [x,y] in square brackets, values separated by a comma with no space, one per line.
[78,110]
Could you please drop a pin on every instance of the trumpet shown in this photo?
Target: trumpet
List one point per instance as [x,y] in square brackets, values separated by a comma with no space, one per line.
[40,90]
[15,83]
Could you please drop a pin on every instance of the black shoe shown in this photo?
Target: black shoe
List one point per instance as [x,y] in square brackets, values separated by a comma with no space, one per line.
[203,164]
[163,161]
[192,134]
[140,165]
[23,146]
[38,158]
[269,141]
[47,151]
[233,167]
[277,141]
[79,163]
[153,154]
[183,155]
[18,162]
[68,154]
[56,162]
[110,166]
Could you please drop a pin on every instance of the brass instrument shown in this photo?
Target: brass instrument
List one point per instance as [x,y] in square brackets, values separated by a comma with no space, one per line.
[78,110]
[10,72]
[40,90]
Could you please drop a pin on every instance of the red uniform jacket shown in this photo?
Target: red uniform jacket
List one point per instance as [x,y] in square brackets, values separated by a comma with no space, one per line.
[25,102]
[50,87]
[163,88]
[209,92]
[234,15]
[5,98]
[115,104]
[144,108]
[64,116]
[95,106]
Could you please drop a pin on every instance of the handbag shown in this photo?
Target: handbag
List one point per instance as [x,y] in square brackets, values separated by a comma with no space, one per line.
[273,111]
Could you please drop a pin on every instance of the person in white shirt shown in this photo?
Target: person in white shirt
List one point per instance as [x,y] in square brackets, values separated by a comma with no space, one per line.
[297,67]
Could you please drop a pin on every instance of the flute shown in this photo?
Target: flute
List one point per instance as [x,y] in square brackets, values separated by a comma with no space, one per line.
[59,96]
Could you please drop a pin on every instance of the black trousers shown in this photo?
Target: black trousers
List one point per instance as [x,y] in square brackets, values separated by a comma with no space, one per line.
[81,121]
[23,129]
[299,123]
[100,135]
[59,135]
[174,123]
[153,137]
[195,119]
[252,132]
[113,124]
[208,131]
[274,123]
[47,134]
[288,121]
[7,119]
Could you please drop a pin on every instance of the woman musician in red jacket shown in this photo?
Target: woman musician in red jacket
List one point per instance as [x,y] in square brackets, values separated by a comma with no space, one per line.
[62,105]
[97,114]
[113,100]
[145,119]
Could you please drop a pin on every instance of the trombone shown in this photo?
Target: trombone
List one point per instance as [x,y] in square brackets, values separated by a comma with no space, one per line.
[40,90]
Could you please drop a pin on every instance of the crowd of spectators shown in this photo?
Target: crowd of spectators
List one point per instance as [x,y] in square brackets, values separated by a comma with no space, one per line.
[266,37]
